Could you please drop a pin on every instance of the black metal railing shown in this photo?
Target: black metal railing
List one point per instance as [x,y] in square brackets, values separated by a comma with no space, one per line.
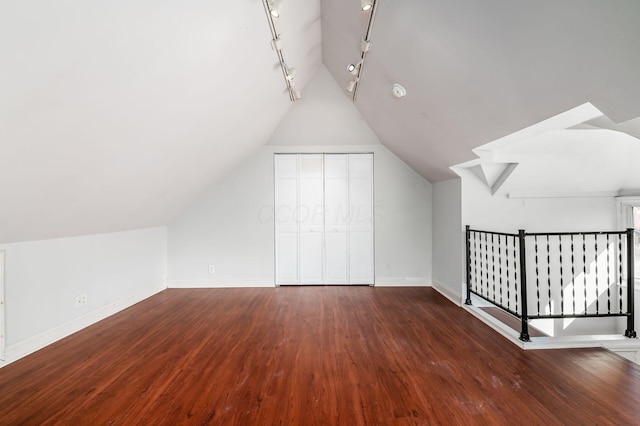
[553,275]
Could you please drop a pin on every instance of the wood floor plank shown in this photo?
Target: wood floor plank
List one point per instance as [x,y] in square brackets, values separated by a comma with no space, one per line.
[310,356]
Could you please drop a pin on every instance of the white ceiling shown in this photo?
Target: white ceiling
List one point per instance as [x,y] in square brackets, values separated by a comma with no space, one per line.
[116,115]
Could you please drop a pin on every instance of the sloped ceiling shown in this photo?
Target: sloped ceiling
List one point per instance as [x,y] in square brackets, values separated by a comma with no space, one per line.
[478,70]
[116,115]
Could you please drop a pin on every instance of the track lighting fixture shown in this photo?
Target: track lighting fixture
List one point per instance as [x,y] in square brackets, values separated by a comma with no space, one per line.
[355,68]
[274,8]
[289,72]
[276,43]
[351,85]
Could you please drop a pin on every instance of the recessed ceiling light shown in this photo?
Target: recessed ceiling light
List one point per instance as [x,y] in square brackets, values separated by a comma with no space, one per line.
[398,91]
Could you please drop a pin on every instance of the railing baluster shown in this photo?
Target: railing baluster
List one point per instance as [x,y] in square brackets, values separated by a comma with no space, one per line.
[584,265]
[535,244]
[481,265]
[573,277]
[620,272]
[506,251]
[608,279]
[549,273]
[597,287]
[561,277]
[493,266]
[486,261]
[500,266]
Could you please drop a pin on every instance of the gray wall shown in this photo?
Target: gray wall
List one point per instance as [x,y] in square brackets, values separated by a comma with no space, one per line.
[448,237]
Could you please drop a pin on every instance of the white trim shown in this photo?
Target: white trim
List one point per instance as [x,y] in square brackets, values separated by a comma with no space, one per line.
[3,352]
[222,283]
[447,292]
[614,342]
[506,331]
[39,341]
[625,213]
[402,282]
[551,194]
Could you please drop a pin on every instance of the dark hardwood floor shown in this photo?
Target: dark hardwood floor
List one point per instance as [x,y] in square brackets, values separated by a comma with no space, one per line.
[310,356]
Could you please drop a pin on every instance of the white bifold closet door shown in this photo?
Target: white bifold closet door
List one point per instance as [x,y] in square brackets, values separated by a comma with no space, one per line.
[324,219]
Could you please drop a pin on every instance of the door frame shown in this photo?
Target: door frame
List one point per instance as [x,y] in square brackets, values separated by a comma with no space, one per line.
[275,219]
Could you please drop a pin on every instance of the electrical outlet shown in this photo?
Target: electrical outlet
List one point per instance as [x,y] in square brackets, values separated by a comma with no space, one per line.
[81,300]
[212,269]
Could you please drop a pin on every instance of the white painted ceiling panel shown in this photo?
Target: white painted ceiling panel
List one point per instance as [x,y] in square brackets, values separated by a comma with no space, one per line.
[116,115]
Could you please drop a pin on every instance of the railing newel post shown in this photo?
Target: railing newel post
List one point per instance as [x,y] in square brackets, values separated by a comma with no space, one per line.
[468,269]
[524,334]
[630,331]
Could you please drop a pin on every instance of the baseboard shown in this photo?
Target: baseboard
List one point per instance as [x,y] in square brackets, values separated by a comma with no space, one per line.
[496,324]
[27,346]
[221,283]
[403,282]
[447,292]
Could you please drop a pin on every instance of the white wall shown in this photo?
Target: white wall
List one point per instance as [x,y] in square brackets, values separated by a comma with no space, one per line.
[448,239]
[483,211]
[43,279]
[231,226]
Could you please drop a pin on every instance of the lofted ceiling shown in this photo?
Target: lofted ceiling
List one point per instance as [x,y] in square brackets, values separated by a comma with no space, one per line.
[116,115]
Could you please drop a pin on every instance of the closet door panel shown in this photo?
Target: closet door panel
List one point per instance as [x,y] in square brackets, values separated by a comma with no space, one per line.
[310,212]
[287,258]
[360,258]
[311,259]
[336,258]
[361,249]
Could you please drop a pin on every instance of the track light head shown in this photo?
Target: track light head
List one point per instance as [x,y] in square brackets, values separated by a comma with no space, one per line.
[355,67]
[274,8]
[366,5]
[351,85]
[290,72]
[276,43]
